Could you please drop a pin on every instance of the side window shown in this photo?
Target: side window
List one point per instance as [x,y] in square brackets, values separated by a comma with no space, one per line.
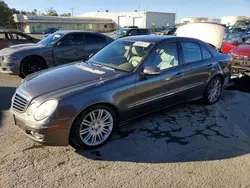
[94,39]
[4,36]
[164,57]
[18,37]
[148,32]
[73,39]
[191,52]
[143,32]
[133,32]
[205,53]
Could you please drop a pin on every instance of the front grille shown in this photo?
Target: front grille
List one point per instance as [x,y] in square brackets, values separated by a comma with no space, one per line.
[19,103]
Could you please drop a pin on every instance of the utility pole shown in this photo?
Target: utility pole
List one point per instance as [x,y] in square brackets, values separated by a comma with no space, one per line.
[72,10]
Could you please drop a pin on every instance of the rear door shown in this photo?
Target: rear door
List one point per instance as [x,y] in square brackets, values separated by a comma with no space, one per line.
[94,43]
[198,65]
[69,49]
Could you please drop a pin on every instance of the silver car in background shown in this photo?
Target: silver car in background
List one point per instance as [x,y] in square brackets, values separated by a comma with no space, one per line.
[56,49]
[85,102]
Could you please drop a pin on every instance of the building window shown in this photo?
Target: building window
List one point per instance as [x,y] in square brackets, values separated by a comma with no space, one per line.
[105,26]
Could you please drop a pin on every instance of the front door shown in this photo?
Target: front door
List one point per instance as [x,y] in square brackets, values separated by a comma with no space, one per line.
[69,49]
[157,91]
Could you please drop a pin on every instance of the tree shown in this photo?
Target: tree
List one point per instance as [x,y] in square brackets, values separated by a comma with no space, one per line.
[34,12]
[6,15]
[65,14]
[50,12]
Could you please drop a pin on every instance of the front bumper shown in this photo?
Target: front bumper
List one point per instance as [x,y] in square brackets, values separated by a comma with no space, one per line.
[53,132]
[9,67]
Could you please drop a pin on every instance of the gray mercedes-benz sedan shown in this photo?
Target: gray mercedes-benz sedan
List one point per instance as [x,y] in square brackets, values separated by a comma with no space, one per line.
[84,102]
[56,49]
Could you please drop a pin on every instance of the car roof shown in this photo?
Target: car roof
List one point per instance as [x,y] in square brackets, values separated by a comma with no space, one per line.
[75,31]
[147,38]
[134,28]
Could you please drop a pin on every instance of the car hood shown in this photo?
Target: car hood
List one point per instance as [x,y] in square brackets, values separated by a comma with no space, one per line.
[209,33]
[66,79]
[20,47]
[242,49]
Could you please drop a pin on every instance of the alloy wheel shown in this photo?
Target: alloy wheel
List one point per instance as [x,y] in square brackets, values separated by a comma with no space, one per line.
[214,90]
[96,127]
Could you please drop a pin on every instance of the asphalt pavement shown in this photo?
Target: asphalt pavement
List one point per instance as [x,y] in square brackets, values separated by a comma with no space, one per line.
[189,145]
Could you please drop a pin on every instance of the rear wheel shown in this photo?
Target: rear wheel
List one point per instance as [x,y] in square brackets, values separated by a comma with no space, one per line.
[93,127]
[213,90]
[31,65]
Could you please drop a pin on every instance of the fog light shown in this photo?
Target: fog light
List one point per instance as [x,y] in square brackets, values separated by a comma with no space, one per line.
[39,136]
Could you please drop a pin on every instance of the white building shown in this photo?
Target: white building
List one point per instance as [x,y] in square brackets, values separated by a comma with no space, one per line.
[231,20]
[37,24]
[200,19]
[142,19]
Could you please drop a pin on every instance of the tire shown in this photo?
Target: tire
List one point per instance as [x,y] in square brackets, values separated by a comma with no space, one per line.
[89,134]
[213,90]
[31,65]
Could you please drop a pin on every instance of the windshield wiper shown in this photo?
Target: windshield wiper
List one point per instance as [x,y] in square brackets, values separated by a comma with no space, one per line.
[102,66]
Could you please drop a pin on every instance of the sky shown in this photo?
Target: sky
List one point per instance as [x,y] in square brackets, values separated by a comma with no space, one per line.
[182,8]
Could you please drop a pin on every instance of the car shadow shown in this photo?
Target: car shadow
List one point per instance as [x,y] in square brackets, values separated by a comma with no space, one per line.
[6,94]
[185,133]
[241,84]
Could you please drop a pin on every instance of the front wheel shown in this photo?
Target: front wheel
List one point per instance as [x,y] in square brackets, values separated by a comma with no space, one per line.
[31,65]
[213,90]
[93,127]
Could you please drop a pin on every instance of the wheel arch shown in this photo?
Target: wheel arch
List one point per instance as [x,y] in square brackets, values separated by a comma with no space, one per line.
[211,78]
[112,106]
[35,56]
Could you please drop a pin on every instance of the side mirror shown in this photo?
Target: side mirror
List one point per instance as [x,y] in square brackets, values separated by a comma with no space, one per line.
[235,43]
[151,70]
[60,43]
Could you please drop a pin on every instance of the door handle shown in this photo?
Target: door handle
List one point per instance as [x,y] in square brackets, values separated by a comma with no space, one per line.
[210,66]
[179,74]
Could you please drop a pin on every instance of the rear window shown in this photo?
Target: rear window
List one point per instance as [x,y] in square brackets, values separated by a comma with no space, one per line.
[205,53]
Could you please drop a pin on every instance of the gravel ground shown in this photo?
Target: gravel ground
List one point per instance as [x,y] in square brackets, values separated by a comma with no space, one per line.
[189,145]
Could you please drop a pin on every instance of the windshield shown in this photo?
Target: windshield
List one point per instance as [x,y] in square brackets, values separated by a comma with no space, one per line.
[51,39]
[242,23]
[237,30]
[233,38]
[122,32]
[123,55]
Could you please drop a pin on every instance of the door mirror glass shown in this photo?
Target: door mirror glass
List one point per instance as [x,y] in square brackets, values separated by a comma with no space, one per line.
[151,70]
[60,43]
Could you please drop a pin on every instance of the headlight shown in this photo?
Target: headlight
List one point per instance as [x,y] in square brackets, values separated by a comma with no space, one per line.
[32,108]
[45,109]
[10,57]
